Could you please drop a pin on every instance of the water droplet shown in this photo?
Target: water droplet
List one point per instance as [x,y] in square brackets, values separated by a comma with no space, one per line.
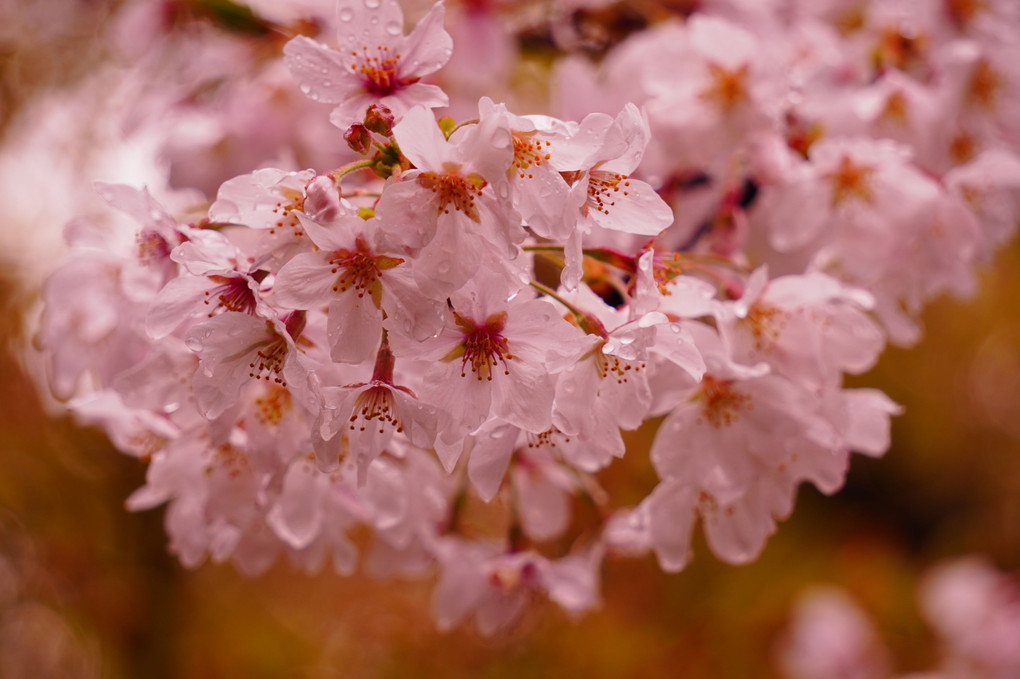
[327,83]
[394,28]
[372,4]
[346,14]
[305,88]
[627,353]
[675,328]
[194,344]
[444,267]
[373,19]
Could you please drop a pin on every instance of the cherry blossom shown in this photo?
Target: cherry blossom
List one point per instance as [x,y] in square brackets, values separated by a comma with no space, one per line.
[375,62]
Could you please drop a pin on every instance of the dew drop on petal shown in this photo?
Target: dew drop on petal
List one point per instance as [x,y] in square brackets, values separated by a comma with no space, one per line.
[372,4]
[444,267]
[373,19]
[327,83]
[346,14]
[305,88]
[194,344]
[394,28]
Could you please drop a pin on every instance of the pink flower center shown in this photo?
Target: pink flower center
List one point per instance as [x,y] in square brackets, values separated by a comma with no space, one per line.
[375,405]
[608,365]
[273,406]
[984,86]
[528,152]
[454,190]
[267,364]
[232,294]
[766,324]
[602,190]
[721,403]
[285,211]
[484,346]
[152,247]
[378,70]
[360,270]
[727,88]
[851,180]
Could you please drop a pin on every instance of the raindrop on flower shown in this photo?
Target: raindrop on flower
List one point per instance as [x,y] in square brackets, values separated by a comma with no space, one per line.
[394,28]
[346,14]
[372,4]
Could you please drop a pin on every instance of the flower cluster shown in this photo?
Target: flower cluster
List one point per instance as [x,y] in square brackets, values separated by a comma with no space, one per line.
[424,357]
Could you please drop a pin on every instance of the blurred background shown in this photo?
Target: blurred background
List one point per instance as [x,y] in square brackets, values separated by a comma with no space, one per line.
[88,589]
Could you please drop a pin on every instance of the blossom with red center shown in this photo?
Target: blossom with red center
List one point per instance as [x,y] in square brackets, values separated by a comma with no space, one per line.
[368,415]
[236,348]
[597,162]
[446,210]
[360,279]
[375,62]
[493,359]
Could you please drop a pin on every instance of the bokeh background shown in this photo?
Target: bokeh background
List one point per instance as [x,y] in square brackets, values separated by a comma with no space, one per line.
[88,589]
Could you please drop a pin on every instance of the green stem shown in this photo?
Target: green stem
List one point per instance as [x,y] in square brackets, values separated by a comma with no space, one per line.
[587,322]
[473,121]
[344,170]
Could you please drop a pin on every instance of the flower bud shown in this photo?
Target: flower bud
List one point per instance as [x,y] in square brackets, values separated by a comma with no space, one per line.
[322,199]
[379,119]
[358,138]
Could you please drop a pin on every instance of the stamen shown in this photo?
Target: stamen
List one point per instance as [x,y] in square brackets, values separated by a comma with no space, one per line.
[360,270]
[607,364]
[375,405]
[721,403]
[851,180]
[483,347]
[727,89]
[268,362]
[602,187]
[286,212]
[152,247]
[232,294]
[528,152]
[765,323]
[273,406]
[378,69]
[456,190]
